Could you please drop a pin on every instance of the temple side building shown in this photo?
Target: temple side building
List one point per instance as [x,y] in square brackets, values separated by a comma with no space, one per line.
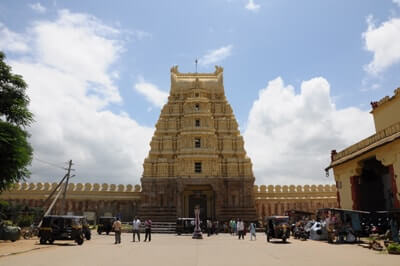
[197,155]
[367,173]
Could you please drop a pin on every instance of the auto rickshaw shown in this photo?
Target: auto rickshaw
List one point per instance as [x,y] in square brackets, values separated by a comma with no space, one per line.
[382,222]
[8,232]
[61,227]
[344,225]
[277,227]
[105,224]
[184,226]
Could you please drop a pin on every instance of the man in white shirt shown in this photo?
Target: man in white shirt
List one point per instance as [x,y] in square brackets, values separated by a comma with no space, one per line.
[136,228]
[240,228]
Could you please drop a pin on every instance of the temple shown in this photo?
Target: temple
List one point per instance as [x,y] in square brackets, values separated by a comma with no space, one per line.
[197,155]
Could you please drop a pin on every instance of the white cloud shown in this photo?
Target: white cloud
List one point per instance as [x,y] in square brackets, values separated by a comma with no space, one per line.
[151,92]
[38,8]
[78,45]
[290,135]
[397,2]
[11,41]
[214,56]
[70,79]
[384,42]
[252,6]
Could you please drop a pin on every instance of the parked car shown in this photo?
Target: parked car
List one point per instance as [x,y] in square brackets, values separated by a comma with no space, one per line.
[61,227]
[7,232]
[105,224]
[277,227]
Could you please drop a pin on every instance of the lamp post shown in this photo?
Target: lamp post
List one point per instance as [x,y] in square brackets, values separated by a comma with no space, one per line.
[197,231]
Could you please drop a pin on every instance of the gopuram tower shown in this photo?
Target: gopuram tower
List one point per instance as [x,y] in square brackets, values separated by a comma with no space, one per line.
[197,155]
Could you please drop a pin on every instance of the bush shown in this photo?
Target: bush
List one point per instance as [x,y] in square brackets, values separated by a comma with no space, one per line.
[25,220]
[394,248]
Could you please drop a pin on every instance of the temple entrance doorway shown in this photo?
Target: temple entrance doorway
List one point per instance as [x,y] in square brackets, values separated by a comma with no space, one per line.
[198,200]
[203,196]
[373,188]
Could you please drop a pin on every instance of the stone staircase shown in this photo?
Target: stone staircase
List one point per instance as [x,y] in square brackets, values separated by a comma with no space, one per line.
[157,227]
[163,227]
[158,214]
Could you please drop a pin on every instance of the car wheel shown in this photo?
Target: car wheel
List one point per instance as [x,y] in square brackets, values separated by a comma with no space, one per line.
[27,235]
[42,241]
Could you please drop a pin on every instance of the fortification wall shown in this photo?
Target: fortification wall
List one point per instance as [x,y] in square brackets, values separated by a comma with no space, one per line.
[275,200]
[124,200]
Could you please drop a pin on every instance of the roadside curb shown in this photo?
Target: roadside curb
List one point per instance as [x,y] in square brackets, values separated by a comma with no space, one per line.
[20,252]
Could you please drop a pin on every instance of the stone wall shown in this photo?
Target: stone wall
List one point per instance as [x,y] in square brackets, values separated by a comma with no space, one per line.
[275,200]
[93,200]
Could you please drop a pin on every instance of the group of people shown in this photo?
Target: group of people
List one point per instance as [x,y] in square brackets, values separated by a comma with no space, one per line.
[212,227]
[238,227]
[136,223]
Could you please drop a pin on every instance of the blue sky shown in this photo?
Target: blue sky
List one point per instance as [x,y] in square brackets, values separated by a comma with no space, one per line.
[269,50]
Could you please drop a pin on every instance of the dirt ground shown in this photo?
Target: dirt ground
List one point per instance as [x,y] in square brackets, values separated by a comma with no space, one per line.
[9,248]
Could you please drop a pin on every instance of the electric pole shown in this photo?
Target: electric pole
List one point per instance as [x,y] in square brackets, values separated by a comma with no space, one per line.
[63,205]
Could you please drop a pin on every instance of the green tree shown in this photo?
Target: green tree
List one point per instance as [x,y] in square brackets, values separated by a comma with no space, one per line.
[15,150]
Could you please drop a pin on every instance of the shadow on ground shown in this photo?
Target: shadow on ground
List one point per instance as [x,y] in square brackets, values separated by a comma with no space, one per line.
[279,242]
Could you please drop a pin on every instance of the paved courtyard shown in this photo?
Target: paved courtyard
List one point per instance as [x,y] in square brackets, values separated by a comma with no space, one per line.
[182,250]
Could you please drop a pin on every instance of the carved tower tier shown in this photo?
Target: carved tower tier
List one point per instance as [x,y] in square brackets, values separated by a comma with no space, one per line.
[197,155]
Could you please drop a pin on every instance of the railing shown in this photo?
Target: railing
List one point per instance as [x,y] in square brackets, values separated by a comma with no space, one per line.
[387,132]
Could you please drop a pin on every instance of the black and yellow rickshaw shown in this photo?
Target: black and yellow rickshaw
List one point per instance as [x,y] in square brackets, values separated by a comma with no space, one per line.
[105,224]
[61,227]
[184,226]
[344,225]
[277,227]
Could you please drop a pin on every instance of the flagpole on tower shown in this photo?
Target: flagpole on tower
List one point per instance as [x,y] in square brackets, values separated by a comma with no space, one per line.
[196,61]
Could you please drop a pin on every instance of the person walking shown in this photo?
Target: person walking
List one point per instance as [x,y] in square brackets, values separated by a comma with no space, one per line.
[209,227]
[147,228]
[252,229]
[117,226]
[136,228]
[217,227]
[240,229]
